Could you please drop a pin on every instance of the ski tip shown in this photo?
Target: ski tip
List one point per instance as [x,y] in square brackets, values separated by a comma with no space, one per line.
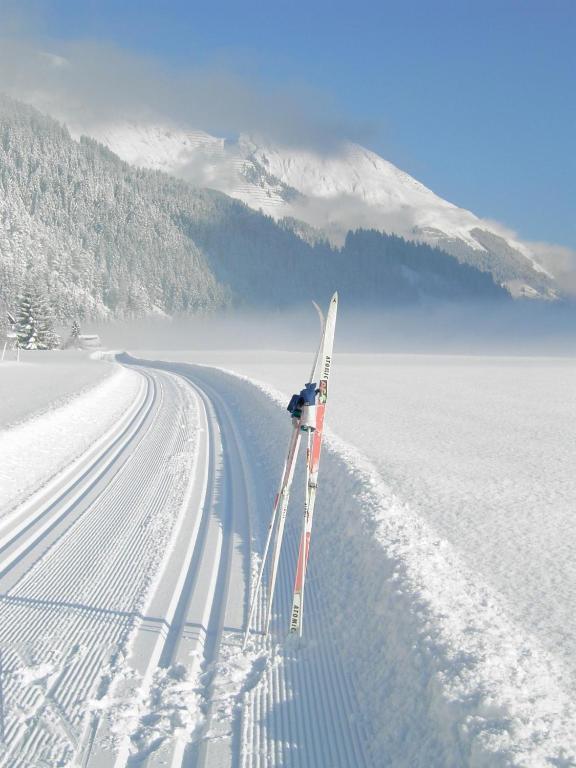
[320,313]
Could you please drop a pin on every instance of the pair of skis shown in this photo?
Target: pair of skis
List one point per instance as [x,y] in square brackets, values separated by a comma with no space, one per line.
[302,420]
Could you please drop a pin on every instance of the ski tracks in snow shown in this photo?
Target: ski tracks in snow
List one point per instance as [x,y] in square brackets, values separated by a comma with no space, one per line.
[77,575]
[124,588]
[287,703]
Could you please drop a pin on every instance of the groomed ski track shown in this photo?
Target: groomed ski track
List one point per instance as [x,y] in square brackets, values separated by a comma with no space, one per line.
[124,588]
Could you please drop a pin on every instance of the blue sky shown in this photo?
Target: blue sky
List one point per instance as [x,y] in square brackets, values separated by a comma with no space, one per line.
[475,99]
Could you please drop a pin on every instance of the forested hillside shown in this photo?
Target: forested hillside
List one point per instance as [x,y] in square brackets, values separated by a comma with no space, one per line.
[104,239]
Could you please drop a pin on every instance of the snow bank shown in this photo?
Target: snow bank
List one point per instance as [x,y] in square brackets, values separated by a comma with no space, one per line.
[444,677]
[481,448]
[35,450]
[44,380]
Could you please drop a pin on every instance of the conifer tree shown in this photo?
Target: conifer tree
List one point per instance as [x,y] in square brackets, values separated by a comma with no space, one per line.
[74,338]
[53,340]
[75,332]
[34,327]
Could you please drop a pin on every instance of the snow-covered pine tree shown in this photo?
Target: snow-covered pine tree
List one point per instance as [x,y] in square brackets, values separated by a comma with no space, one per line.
[74,340]
[34,327]
[53,339]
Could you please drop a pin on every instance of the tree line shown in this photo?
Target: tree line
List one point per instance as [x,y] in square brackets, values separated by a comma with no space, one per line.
[32,326]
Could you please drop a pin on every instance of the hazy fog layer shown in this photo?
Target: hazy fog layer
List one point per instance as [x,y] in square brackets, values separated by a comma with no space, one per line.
[519,329]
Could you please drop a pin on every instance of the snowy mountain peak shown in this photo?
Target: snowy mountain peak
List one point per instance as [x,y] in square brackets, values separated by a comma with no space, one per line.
[348,188]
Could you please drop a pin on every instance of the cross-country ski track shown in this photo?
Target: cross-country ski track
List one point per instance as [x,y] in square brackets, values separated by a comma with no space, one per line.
[124,591]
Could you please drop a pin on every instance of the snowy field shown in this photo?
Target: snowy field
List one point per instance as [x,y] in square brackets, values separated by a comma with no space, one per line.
[56,407]
[482,448]
[438,628]
[42,380]
[481,452]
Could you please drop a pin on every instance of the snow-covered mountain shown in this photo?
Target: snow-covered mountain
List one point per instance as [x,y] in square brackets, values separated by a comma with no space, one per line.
[344,189]
[104,239]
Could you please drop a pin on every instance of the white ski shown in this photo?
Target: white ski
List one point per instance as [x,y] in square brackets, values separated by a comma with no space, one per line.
[312,464]
[281,506]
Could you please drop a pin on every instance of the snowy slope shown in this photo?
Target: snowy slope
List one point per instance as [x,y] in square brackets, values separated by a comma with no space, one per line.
[197,156]
[345,188]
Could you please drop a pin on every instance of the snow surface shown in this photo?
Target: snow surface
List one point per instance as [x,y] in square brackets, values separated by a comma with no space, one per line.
[43,380]
[63,423]
[124,599]
[467,467]
[77,577]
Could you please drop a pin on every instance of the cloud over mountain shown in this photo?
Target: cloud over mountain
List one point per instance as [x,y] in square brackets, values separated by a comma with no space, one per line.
[286,150]
[88,83]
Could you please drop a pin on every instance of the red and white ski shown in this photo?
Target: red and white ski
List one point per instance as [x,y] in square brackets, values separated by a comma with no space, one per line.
[312,464]
[280,508]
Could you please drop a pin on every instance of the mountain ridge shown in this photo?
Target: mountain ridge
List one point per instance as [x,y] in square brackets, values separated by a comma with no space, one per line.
[335,192]
[109,240]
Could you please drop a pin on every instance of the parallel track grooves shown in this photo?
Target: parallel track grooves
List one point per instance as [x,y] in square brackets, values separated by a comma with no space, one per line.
[299,715]
[51,573]
[296,714]
[49,517]
[198,752]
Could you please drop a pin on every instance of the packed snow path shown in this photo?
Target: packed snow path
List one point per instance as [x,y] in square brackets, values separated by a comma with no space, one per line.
[124,593]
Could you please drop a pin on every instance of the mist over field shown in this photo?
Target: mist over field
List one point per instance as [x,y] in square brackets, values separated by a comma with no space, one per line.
[487,328]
